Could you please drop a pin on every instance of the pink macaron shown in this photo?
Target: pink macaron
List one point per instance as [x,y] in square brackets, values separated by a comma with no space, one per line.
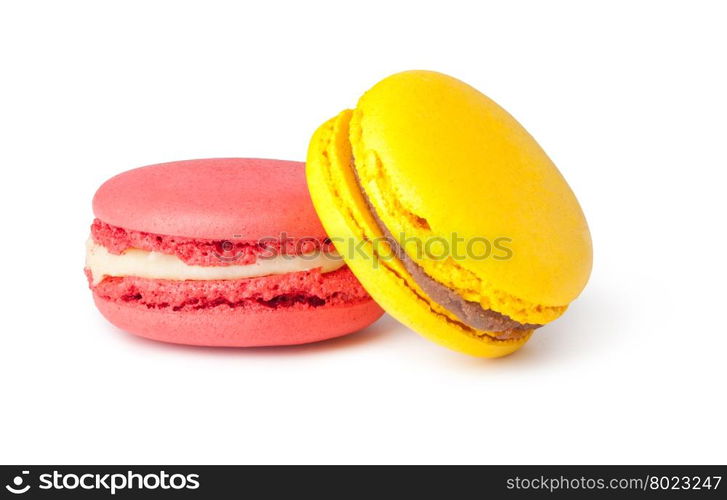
[220,252]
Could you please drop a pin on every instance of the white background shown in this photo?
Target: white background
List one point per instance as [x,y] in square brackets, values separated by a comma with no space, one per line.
[629,101]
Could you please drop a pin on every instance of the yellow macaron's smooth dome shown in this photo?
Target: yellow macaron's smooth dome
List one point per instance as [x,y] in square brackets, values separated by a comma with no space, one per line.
[458,161]
[428,158]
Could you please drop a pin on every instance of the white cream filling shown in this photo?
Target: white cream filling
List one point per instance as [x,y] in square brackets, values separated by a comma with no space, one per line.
[155,265]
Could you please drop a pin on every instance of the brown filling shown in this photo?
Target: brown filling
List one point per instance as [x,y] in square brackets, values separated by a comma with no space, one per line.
[470,313]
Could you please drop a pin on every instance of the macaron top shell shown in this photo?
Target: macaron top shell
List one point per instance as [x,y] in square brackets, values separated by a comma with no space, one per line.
[212,199]
[437,158]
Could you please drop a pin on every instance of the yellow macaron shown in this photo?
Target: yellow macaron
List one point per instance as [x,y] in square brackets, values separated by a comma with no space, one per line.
[449,213]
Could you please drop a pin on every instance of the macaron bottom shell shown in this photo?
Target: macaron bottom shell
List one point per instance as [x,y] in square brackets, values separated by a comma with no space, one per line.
[284,309]
[223,327]
[357,236]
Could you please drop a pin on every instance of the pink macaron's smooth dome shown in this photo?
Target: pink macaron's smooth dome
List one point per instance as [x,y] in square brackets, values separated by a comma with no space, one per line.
[216,199]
